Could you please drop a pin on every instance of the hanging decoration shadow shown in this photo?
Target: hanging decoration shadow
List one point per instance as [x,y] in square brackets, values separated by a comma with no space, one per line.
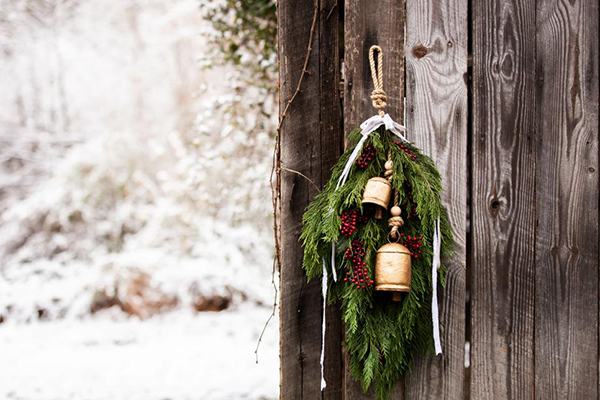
[382,265]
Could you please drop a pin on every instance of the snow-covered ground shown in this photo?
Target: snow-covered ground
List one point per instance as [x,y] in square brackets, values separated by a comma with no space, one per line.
[176,356]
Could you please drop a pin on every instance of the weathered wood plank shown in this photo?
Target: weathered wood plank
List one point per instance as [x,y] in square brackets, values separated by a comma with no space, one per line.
[367,24]
[503,200]
[437,115]
[332,141]
[305,144]
[566,323]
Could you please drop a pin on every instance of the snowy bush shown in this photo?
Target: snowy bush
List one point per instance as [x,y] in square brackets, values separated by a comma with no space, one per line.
[126,157]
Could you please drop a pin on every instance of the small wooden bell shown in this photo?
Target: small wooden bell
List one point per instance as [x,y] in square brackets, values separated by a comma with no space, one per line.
[378,192]
[392,264]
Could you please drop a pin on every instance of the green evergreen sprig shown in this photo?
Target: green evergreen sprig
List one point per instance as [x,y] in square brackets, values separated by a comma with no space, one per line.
[382,336]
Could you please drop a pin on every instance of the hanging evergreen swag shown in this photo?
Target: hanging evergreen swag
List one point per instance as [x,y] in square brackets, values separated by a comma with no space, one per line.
[362,252]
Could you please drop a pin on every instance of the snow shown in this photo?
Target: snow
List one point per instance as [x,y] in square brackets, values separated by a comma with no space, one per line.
[131,167]
[172,356]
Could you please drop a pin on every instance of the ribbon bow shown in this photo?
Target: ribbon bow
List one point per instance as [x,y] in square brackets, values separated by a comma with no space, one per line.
[367,128]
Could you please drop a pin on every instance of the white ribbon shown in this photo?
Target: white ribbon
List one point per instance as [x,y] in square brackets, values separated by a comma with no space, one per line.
[367,127]
[333,261]
[323,383]
[370,125]
[435,265]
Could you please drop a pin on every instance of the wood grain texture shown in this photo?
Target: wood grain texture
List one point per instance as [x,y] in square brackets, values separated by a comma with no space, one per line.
[332,140]
[300,305]
[437,114]
[503,200]
[311,141]
[365,25]
[566,337]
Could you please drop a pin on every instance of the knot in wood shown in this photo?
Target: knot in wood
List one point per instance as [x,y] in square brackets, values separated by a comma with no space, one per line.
[419,51]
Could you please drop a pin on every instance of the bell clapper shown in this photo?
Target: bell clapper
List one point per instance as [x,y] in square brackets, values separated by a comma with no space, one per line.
[396,296]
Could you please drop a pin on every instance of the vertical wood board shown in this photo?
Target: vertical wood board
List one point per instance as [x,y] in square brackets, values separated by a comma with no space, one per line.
[566,337]
[437,115]
[310,145]
[366,25]
[332,139]
[503,200]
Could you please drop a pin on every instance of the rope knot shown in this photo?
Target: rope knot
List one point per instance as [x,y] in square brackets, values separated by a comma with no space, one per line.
[395,223]
[379,99]
[389,174]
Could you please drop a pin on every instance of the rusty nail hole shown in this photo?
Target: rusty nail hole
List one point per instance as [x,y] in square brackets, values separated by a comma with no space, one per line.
[419,51]
[495,204]
[450,44]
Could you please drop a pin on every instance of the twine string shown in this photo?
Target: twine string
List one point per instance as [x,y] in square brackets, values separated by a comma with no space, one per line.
[395,222]
[378,95]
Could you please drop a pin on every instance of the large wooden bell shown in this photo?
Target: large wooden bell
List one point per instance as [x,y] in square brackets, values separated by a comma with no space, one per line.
[392,264]
[392,269]
[378,192]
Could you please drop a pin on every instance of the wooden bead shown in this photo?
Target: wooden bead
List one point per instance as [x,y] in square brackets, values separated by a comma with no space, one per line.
[395,211]
[389,164]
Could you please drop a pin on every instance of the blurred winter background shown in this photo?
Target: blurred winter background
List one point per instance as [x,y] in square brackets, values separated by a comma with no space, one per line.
[135,241]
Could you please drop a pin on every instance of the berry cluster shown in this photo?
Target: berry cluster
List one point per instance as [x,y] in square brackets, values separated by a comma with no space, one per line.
[349,220]
[413,208]
[411,151]
[413,243]
[368,154]
[348,223]
[357,273]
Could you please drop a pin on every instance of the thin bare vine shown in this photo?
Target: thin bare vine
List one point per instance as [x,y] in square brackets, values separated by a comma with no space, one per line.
[293,171]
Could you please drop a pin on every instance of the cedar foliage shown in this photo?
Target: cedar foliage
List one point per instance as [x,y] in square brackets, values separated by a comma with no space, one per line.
[382,336]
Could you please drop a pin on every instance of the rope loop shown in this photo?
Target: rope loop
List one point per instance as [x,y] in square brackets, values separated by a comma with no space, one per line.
[378,95]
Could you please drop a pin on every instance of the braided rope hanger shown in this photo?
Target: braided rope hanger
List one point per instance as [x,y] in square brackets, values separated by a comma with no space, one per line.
[378,95]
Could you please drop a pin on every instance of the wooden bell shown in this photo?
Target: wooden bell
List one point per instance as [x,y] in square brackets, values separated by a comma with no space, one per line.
[392,264]
[378,192]
[392,269]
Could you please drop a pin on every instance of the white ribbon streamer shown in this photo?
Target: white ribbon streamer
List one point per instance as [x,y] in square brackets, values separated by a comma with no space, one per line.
[435,265]
[367,127]
[323,383]
[333,262]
